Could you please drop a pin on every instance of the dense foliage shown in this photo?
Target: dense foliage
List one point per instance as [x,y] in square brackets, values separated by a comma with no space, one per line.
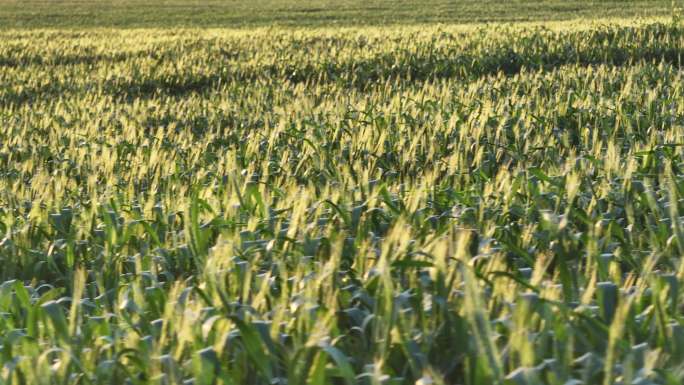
[402,206]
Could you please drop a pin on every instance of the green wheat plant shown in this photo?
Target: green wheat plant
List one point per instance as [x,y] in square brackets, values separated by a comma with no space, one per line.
[406,205]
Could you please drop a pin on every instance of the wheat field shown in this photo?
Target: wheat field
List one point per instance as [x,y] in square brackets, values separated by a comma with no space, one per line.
[426,204]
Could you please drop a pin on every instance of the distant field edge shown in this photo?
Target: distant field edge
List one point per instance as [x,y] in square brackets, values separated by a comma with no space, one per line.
[238,14]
